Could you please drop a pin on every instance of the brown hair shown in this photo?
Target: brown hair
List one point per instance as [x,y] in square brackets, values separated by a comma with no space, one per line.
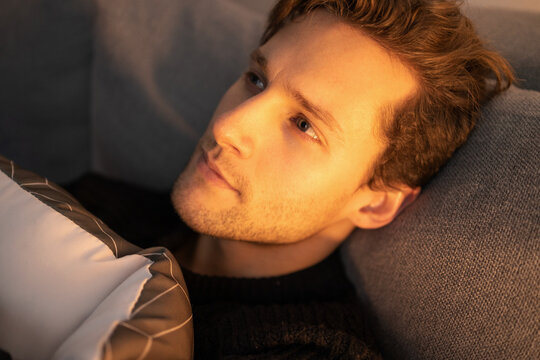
[439,44]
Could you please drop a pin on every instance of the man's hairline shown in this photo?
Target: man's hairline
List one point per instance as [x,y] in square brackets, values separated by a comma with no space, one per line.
[386,114]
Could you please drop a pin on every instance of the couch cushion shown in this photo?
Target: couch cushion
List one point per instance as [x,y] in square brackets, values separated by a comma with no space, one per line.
[516,36]
[45,66]
[159,71]
[457,275]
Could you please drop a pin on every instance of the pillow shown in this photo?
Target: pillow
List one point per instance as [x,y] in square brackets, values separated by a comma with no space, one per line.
[457,275]
[72,288]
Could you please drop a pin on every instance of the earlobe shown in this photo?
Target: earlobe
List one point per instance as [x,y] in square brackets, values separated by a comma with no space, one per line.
[384,207]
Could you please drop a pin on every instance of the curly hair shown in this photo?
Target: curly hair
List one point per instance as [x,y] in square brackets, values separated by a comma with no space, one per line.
[451,65]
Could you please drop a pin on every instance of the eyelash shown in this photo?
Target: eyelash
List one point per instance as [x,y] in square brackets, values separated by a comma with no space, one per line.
[249,75]
[251,78]
[297,119]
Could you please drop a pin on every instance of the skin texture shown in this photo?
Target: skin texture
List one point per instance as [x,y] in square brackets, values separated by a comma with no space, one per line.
[290,185]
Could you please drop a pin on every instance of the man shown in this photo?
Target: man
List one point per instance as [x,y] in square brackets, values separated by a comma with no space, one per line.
[346,110]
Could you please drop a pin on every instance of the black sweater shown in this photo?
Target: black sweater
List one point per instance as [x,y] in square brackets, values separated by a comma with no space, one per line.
[310,314]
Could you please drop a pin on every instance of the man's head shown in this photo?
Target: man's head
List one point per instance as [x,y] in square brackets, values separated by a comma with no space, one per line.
[311,136]
[449,62]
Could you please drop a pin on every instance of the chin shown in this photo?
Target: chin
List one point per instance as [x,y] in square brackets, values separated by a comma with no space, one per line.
[228,220]
[227,225]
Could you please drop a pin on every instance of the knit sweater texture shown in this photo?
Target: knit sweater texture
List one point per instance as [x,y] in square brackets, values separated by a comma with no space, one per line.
[309,314]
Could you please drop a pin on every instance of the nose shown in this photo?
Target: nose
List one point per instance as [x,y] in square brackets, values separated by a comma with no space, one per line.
[236,131]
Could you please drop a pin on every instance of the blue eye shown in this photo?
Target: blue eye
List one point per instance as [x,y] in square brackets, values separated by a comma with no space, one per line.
[255,80]
[304,126]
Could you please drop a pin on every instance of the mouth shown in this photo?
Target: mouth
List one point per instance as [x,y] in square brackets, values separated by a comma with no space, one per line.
[210,171]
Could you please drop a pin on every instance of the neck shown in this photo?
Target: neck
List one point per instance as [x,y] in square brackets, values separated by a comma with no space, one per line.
[221,257]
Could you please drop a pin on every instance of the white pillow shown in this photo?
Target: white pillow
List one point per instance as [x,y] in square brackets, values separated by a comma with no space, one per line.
[71,288]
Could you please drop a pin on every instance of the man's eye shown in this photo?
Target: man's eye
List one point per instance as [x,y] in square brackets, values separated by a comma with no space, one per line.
[255,80]
[303,125]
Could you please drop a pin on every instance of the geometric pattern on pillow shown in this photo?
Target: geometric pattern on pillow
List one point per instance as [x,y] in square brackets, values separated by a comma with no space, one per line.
[60,200]
[158,326]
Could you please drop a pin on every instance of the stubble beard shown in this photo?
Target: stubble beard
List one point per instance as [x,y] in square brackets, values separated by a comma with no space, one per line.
[233,223]
[269,221]
[276,223]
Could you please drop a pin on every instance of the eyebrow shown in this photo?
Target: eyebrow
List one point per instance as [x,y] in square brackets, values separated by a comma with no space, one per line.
[323,115]
[257,57]
[327,118]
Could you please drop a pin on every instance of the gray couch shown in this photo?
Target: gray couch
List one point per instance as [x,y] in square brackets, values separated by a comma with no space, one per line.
[125,88]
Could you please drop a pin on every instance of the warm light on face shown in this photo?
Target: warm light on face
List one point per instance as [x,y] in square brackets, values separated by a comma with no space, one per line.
[293,136]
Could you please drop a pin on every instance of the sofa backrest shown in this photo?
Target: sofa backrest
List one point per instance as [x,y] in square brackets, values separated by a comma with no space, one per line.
[125,88]
[164,91]
[516,35]
[159,71]
[45,71]
[457,275]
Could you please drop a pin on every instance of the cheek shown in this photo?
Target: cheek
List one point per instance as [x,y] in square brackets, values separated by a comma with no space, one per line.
[292,172]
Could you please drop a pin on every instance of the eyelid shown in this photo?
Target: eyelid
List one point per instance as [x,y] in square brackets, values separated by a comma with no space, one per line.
[257,70]
[319,139]
[250,72]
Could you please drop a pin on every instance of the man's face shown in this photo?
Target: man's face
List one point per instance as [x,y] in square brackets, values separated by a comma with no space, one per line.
[295,137]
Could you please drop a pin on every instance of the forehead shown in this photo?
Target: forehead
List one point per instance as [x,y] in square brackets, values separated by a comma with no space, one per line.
[337,67]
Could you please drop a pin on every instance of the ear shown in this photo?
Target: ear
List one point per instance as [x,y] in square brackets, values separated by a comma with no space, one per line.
[383,207]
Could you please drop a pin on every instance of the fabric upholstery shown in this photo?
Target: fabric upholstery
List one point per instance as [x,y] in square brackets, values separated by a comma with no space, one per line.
[45,66]
[159,71]
[457,275]
[72,288]
[126,87]
[514,34]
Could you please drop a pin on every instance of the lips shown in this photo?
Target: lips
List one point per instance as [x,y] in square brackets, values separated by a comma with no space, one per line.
[211,172]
